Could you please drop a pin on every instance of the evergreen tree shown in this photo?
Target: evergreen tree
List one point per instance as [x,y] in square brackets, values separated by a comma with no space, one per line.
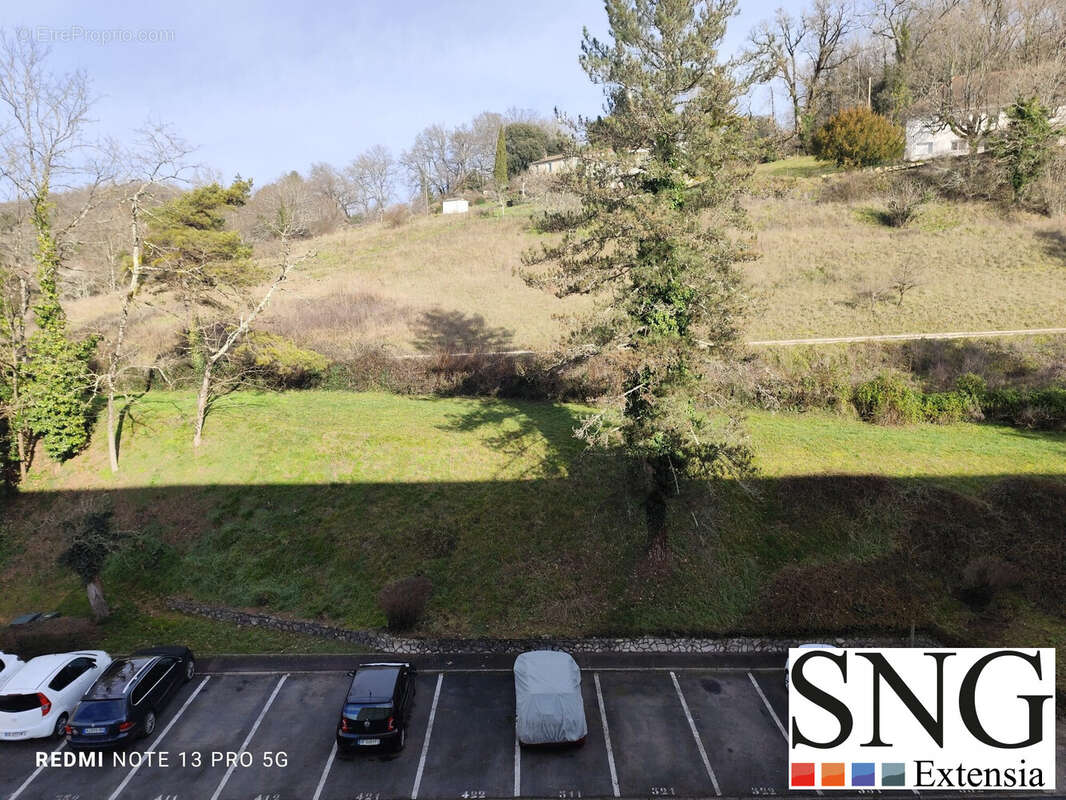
[659,184]
[500,172]
[59,385]
[1024,146]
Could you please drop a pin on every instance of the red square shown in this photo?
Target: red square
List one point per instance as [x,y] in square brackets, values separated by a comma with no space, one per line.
[803,774]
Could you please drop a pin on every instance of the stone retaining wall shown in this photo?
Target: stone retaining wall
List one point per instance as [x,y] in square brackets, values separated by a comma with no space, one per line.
[387,643]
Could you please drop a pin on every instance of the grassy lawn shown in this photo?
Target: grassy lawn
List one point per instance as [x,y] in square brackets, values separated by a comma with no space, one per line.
[797,167]
[523,534]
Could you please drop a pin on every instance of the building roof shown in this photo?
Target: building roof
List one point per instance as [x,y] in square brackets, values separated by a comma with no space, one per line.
[546,159]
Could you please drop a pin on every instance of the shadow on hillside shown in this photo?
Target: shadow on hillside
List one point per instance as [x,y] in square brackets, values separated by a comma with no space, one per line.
[1054,241]
[440,331]
[560,555]
[523,430]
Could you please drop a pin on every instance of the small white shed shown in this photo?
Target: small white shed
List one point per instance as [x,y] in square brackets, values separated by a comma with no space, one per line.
[458,206]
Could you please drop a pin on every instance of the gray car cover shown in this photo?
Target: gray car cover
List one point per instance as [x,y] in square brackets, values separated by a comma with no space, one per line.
[548,704]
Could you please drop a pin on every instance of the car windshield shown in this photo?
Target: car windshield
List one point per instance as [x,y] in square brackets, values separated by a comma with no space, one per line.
[99,711]
[14,703]
[367,713]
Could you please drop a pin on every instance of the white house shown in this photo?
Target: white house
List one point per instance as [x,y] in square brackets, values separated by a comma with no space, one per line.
[552,164]
[925,140]
[455,206]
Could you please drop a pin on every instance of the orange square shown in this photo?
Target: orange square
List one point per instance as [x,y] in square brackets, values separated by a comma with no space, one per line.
[832,774]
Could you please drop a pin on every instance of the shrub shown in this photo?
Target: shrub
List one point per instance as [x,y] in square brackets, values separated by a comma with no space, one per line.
[888,400]
[902,202]
[984,576]
[971,385]
[396,215]
[404,601]
[857,137]
[279,363]
[945,408]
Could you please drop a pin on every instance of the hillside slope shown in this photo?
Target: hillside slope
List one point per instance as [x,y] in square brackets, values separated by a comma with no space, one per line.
[308,503]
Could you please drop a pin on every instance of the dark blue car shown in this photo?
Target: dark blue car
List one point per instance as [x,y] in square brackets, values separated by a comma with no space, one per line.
[124,702]
[376,708]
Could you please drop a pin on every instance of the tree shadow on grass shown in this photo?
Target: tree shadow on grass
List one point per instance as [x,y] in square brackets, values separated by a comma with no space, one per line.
[440,331]
[521,429]
[1054,241]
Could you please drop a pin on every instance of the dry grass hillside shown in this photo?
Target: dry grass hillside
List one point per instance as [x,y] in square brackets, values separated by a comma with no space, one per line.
[451,283]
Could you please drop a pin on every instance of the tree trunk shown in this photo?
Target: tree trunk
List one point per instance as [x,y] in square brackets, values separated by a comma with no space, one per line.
[97,603]
[20,437]
[201,403]
[112,442]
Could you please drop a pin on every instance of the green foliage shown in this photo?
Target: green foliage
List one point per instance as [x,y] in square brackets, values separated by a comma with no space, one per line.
[1023,148]
[857,137]
[527,142]
[188,246]
[500,171]
[279,362]
[671,155]
[888,400]
[57,383]
[91,540]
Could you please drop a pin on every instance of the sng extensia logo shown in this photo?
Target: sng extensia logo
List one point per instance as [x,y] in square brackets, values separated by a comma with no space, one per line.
[937,718]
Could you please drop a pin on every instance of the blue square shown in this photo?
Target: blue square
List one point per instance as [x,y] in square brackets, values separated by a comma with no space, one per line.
[862,774]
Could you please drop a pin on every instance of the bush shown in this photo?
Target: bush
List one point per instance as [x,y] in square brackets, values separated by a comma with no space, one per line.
[857,137]
[279,363]
[397,215]
[902,202]
[404,601]
[888,400]
[945,408]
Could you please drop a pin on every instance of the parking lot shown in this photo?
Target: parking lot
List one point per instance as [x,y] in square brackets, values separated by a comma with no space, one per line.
[267,734]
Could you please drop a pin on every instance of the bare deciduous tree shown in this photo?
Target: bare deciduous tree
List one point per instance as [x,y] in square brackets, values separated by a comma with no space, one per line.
[803,52]
[158,159]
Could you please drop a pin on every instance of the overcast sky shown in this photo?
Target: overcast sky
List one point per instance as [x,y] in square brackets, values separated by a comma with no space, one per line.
[263,88]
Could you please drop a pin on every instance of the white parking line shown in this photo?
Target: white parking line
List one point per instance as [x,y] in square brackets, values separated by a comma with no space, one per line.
[159,738]
[517,767]
[769,707]
[773,713]
[425,744]
[606,735]
[36,772]
[325,772]
[248,738]
[696,735]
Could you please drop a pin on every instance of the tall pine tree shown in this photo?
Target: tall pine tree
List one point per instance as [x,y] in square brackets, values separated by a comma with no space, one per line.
[659,180]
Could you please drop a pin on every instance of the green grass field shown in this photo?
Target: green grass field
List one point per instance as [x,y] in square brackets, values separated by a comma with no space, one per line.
[524,534]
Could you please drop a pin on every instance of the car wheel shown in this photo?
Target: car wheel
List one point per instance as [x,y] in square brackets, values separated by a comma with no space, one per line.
[401,740]
[190,669]
[61,726]
[148,728]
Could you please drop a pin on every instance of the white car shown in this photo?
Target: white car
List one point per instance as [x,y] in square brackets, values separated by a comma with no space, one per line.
[38,700]
[807,646]
[9,665]
[548,704]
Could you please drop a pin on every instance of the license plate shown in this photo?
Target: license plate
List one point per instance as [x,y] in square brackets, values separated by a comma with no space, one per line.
[13,734]
[94,731]
[369,742]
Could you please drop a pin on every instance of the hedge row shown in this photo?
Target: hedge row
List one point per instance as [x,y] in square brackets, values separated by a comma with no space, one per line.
[889,399]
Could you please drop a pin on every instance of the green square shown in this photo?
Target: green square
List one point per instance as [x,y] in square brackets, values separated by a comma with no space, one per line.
[894,774]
